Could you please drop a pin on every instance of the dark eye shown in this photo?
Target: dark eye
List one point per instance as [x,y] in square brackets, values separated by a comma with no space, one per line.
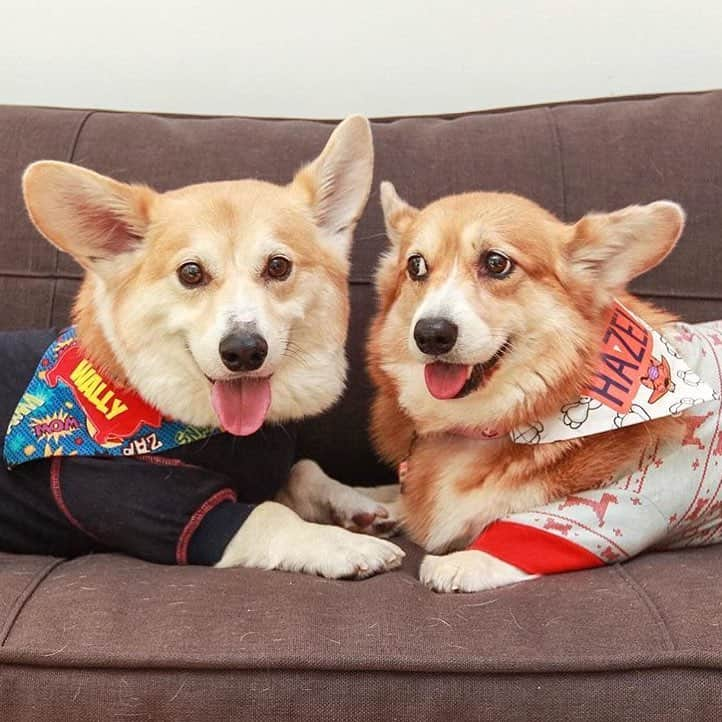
[278,268]
[192,274]
[497,265]
[416,266]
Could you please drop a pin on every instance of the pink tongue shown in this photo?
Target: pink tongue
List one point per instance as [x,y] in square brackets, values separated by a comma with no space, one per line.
[241,405]
[444,381]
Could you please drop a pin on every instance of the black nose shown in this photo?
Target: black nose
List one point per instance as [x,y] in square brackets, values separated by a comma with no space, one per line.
[435,336]
[243,351]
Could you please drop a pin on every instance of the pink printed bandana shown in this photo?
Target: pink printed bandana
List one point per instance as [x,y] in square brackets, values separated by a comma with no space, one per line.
[672,499]
[640,376]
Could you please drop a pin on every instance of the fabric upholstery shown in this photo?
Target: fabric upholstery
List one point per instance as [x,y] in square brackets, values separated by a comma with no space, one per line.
[106,636]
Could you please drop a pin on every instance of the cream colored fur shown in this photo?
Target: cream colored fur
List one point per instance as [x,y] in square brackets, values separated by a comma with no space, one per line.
[162,339]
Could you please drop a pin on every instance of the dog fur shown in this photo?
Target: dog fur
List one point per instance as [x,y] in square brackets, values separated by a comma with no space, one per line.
[546,315]
[149,332]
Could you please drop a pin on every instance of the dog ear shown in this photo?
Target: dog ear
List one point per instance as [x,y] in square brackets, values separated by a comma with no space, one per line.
[85,214]
[336,185]
[398,214]
[608,250]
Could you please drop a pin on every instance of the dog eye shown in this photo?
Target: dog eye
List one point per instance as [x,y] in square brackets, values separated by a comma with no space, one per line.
[192,274]
[497,264]
[416,266]
[278,268]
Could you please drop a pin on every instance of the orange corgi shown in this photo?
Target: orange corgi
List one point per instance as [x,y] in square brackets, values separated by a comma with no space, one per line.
[491,316]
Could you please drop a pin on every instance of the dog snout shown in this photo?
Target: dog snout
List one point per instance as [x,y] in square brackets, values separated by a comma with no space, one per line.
[435,336]
[243,351]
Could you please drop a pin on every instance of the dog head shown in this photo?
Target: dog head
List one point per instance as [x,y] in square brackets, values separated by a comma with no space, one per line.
[220,303]
[491,308]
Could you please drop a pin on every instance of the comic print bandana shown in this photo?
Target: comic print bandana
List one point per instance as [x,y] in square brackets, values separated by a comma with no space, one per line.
[640,376]
[70,409]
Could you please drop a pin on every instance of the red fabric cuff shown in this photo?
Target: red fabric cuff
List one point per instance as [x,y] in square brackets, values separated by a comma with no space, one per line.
[532,550]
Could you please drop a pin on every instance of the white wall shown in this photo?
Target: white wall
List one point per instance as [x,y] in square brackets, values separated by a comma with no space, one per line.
[326,59]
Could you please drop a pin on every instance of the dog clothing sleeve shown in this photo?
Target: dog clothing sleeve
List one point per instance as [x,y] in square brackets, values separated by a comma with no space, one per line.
[171,506]
[156,509]
[672,499]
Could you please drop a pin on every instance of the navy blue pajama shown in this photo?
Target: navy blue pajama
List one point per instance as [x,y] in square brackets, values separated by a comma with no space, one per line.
[180,506]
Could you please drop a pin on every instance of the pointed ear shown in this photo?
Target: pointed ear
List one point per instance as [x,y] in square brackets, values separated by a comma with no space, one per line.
[336,185]
[398,214]
[610,249]
[85,214]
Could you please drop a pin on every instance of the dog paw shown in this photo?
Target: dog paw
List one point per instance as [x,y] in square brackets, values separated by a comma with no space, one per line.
[316,497]
[343,554]
[275,537]
[353,510]
[468,571]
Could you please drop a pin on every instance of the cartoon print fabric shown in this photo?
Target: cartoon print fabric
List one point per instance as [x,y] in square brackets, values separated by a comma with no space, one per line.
[70,409]
[640,376]
[672,499]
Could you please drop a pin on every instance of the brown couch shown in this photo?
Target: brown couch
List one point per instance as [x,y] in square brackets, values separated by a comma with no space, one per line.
[108,637]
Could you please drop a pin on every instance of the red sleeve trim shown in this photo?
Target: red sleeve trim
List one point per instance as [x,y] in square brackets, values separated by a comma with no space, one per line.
[532,550]
[55,488]
[181,554]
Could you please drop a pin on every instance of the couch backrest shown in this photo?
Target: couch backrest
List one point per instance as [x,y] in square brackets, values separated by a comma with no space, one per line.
[570,158]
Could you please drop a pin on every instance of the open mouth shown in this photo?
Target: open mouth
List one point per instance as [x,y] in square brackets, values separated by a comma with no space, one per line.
[454,381]
[241,404]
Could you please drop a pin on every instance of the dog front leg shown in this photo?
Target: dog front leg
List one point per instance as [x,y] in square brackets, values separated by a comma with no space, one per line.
[316,497]
[275,537]
[468,571]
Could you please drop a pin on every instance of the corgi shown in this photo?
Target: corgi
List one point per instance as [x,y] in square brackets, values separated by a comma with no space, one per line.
[490,316]
[222,309]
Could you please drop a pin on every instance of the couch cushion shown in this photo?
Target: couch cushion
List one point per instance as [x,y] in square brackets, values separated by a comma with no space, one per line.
[645,634]
[570,158]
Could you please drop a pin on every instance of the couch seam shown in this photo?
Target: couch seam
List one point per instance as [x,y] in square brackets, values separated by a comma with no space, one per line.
[24,597]
[368,280]
[39,275]
[71,156]
[584,102]
[558,145]
[655,613]
[627,665]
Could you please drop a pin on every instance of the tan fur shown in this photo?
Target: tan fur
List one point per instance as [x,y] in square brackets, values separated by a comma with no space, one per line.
[148,331]
[552,308]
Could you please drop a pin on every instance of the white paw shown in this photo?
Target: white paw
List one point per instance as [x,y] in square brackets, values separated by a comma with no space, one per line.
[342,554]
[468,571]
[315,496]
[355,511]
[274,537]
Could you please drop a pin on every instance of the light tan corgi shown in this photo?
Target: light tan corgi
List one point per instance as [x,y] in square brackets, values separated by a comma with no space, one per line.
[490,316]
[220,305]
